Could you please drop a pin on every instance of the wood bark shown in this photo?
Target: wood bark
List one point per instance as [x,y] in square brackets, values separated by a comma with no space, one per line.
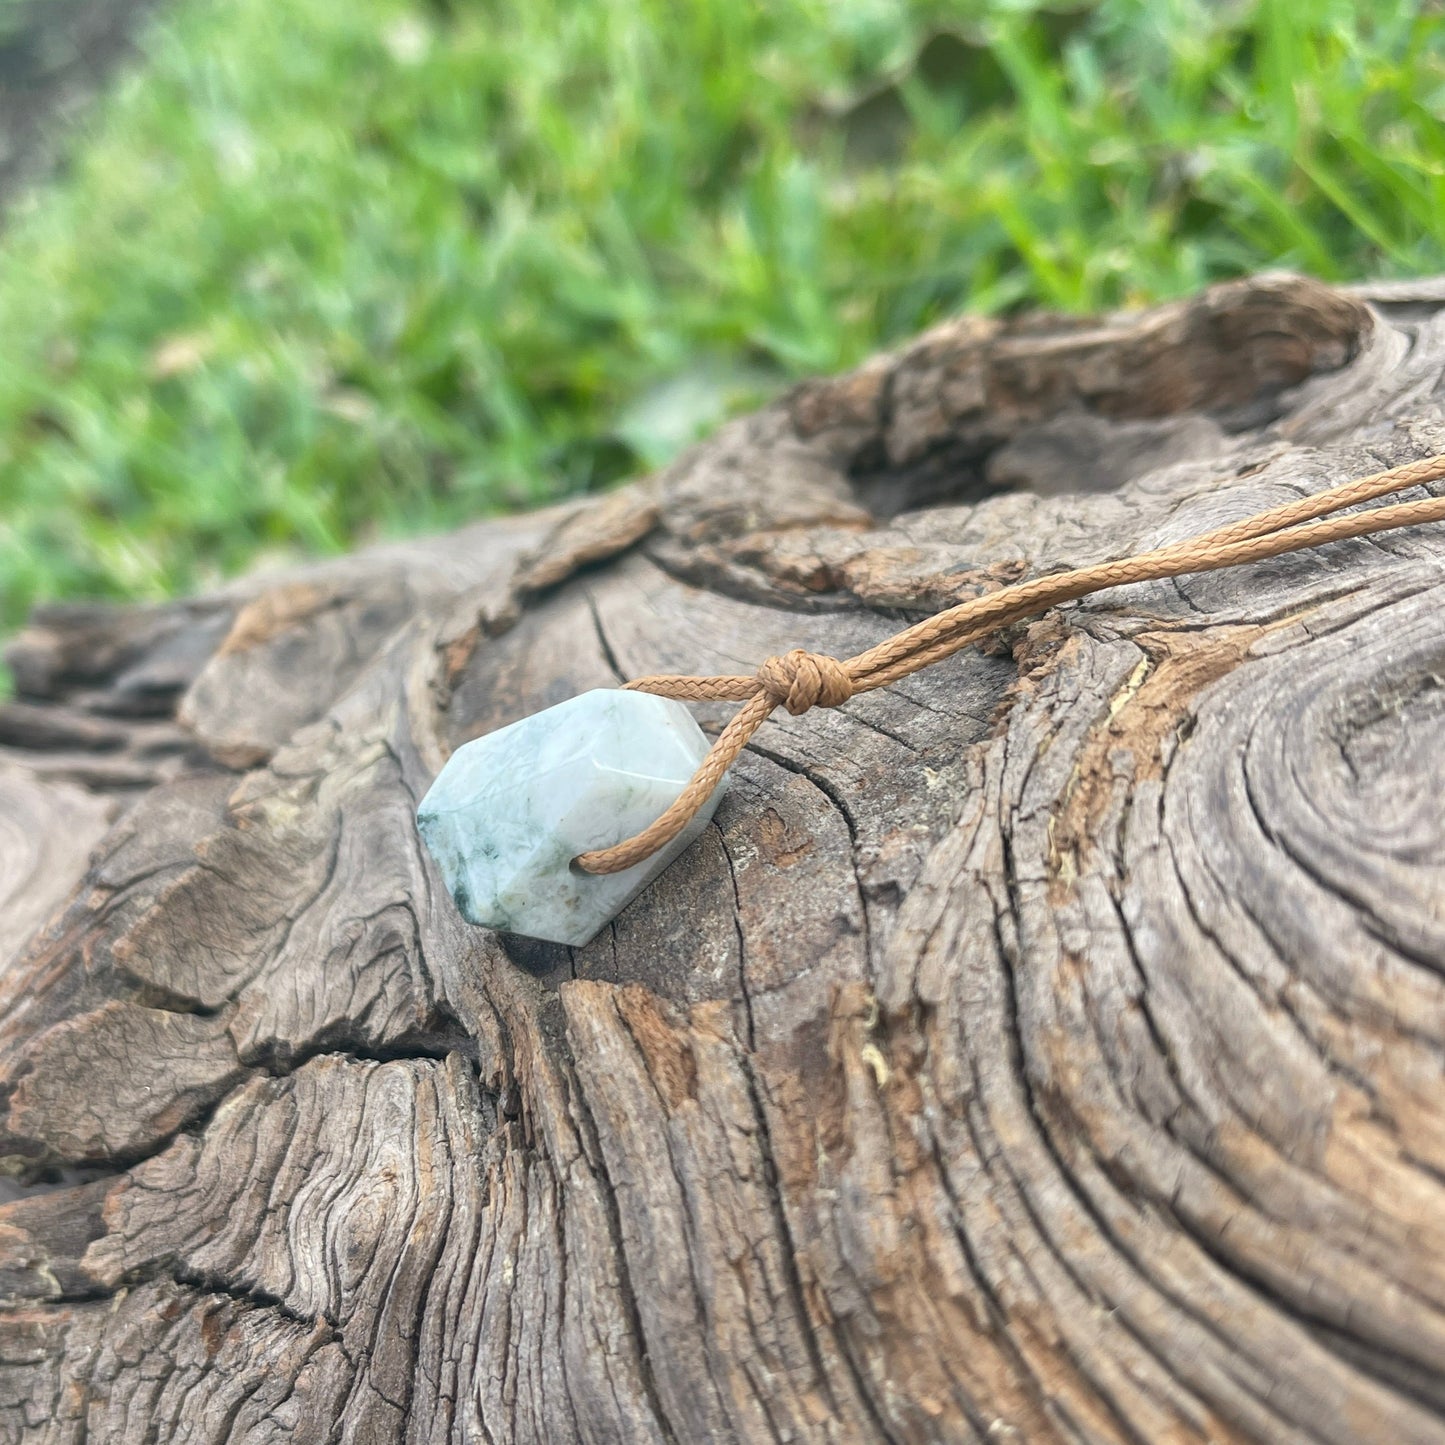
[1047,1048]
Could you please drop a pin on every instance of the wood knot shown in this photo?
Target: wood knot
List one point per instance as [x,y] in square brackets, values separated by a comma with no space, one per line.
[798,680]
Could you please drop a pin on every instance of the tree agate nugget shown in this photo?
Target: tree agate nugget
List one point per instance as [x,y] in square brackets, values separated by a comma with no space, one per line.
[509,812]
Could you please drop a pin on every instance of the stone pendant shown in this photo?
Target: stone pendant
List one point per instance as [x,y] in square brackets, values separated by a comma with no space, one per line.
[510,811]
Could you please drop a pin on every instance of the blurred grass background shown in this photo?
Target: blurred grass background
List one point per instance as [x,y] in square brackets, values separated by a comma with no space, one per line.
[316,272]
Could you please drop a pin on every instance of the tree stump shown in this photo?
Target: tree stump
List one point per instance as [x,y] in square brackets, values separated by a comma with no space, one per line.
[1046,1048]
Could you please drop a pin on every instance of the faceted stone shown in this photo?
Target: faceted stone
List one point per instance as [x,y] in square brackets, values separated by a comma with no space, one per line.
[510,811]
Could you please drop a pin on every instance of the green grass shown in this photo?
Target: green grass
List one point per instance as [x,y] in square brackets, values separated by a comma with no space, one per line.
[318,272]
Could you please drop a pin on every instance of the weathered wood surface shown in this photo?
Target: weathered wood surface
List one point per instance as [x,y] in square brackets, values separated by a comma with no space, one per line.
[1047,1048]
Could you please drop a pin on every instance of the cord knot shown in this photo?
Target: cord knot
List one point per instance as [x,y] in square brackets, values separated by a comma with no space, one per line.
[798,680]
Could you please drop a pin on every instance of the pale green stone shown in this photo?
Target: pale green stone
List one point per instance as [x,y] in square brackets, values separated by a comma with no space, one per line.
[509,812]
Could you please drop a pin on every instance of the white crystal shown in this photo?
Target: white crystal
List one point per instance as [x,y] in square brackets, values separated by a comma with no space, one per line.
[510,811]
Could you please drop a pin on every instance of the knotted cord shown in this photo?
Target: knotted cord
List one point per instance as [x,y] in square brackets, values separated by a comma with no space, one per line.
[800,680]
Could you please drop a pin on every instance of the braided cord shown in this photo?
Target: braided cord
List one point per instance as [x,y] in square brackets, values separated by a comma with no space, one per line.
[800,680]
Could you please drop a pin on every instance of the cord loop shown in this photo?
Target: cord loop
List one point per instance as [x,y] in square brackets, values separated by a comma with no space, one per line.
[799,680]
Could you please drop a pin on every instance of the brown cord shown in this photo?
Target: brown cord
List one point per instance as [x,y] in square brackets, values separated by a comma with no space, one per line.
[799,680]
